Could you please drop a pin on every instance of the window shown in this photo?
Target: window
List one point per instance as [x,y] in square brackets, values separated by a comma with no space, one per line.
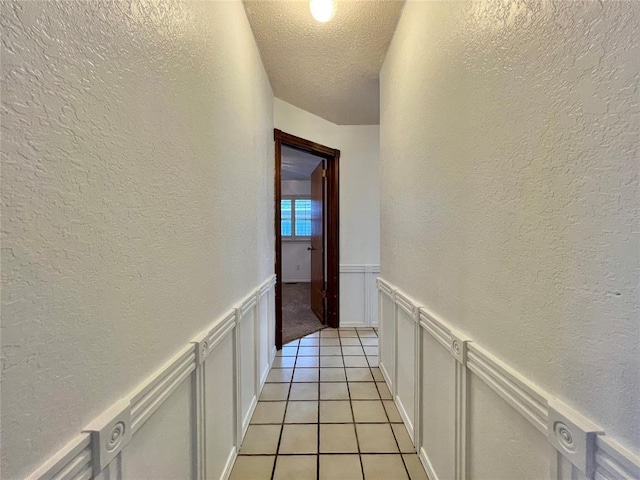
[295,218]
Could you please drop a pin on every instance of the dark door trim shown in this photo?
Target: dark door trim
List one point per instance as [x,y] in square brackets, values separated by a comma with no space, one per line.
[333,225]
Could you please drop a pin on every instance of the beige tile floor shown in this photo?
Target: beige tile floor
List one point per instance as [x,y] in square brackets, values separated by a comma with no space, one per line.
[326,413]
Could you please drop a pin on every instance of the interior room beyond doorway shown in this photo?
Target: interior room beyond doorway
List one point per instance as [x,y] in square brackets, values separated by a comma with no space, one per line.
[298,319]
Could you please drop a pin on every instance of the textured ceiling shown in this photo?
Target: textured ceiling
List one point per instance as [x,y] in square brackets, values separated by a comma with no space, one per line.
[297,165]
[329,69]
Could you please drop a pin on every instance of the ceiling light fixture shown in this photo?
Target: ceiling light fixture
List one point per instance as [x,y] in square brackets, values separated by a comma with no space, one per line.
[322,10]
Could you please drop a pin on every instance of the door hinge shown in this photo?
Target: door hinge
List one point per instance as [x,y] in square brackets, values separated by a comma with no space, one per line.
[324,173]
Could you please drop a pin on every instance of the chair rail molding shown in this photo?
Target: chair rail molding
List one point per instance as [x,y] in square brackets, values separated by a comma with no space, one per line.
[577,447]
[102,443]
[110,433]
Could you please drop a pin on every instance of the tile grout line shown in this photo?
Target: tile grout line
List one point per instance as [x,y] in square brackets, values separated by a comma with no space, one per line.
[393,432]
[286,405]
[318,368]
[318,417]
[355,430]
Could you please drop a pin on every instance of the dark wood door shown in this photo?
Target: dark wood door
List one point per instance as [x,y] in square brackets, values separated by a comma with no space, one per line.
[317,242]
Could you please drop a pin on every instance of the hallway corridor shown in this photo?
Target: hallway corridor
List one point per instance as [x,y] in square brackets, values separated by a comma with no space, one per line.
[457,179]
[326,413]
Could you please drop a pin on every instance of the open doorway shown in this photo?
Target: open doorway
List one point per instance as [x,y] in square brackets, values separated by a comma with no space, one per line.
[302,294]
[306,223]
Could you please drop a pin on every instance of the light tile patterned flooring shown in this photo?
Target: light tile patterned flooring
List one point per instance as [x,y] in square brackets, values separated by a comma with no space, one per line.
[326,413]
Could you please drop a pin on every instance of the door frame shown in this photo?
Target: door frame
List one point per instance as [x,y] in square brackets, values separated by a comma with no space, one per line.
[332,274]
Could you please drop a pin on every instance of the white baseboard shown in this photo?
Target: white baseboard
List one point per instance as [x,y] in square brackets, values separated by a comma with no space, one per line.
[265,374]
[405,417]
[247,418]
[426,463]
[228,466]
[385,375]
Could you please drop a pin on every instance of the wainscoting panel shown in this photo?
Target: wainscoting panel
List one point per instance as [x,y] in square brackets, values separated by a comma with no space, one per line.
[352,299]
[188,418]
[472,416]
[248,359]
[494,426]
[438,406]
[387,333]
[405,367]
[163,448]
[358,295]
[219,402]
[264,349]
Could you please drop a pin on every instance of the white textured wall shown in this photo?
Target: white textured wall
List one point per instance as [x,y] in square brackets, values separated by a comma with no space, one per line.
[137,185]
[509,198]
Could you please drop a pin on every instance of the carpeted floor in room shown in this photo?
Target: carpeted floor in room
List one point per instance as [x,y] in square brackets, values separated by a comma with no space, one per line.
[297,318]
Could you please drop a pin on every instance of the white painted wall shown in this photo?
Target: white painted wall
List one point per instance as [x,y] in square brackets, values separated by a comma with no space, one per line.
[137,180]
[509,167]
[296,259]
[359,199]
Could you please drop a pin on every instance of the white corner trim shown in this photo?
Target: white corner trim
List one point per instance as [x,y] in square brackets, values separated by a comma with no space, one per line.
[110,433]
[573,436]
[521,394]
[155,391]
[72,461]
[615,462]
